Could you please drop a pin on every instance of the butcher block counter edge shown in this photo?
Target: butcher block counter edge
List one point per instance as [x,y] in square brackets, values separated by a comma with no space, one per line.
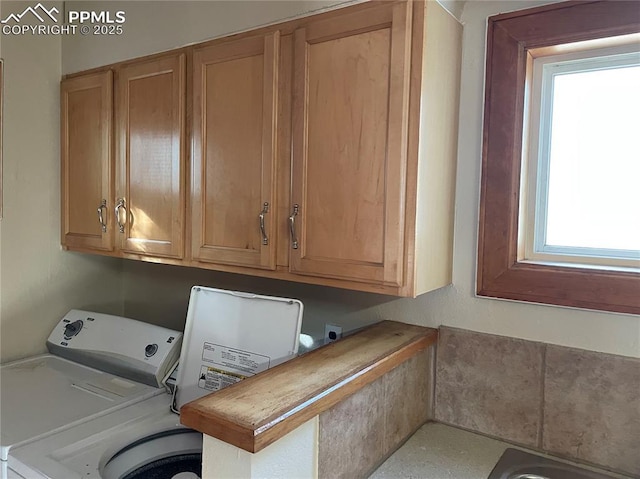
[258,411]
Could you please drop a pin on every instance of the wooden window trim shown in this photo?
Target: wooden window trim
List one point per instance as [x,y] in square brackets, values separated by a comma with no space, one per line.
[509,38]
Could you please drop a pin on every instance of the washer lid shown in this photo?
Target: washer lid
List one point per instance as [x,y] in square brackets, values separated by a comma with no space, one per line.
[230,336]
[46,394]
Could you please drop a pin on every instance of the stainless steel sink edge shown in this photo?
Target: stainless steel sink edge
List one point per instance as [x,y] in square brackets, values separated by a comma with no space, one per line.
[518,464]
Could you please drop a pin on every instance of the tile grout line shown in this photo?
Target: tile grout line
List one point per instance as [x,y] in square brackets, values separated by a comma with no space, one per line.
[383,412]
[543,378]
[434,380]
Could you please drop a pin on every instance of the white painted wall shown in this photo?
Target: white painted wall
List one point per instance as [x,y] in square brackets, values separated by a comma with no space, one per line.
[39,281]
[155,26]
[159,293]
[294,455]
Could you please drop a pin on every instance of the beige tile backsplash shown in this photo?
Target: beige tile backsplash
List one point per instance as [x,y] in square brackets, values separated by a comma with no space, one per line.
[408,399]
[489,384]
[358,434]
[354,424]
[592,407]
[568,402]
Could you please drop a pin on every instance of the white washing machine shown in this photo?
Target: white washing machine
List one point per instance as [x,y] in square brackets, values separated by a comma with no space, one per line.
[99,364]
[228,336]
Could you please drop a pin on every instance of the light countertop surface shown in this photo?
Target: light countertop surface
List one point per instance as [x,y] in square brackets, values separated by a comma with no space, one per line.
[438,451]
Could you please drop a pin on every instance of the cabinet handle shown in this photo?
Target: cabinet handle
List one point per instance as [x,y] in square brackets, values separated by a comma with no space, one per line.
[102,206]
[265,210]
[292,226]
[120,205]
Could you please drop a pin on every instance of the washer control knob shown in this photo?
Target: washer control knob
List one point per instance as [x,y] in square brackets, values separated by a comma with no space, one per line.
[71,329]
[150,350]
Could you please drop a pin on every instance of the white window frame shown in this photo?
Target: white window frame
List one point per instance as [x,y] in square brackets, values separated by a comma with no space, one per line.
[535,169]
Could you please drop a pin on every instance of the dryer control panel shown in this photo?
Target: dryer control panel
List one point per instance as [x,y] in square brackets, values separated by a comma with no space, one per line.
[126,347]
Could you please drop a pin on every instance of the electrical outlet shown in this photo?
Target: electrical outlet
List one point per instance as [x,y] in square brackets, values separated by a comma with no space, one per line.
[332,333]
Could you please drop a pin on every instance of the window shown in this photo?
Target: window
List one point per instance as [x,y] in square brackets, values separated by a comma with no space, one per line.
[560,208]
[581,170]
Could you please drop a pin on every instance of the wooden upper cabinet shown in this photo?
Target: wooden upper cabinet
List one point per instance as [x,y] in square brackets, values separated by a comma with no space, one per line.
[235,86]
[150,184]
[321,150]
[87,161]
[351,93]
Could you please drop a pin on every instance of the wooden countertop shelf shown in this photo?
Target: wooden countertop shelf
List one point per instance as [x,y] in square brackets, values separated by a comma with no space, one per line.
[260,410]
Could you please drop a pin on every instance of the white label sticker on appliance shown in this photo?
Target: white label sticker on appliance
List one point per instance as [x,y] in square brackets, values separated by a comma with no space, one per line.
[215,379]
[235,360]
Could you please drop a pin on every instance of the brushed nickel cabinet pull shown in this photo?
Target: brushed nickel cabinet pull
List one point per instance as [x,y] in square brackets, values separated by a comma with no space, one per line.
[265,210]
[102,206]
[120,205]
[292,226]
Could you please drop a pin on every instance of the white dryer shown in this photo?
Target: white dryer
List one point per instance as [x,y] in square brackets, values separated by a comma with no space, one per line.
[228,336]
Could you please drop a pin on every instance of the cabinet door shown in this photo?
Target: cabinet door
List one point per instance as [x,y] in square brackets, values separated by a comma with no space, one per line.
[351,87]
[234,141]
[87,162]
[150,190]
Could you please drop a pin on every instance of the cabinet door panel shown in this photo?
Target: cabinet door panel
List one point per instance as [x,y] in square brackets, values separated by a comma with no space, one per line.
[349,144]
[346,147]
[151,156]
[86,123]
[235,98]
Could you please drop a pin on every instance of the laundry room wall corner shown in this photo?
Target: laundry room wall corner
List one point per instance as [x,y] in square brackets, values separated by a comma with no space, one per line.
[39,281]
